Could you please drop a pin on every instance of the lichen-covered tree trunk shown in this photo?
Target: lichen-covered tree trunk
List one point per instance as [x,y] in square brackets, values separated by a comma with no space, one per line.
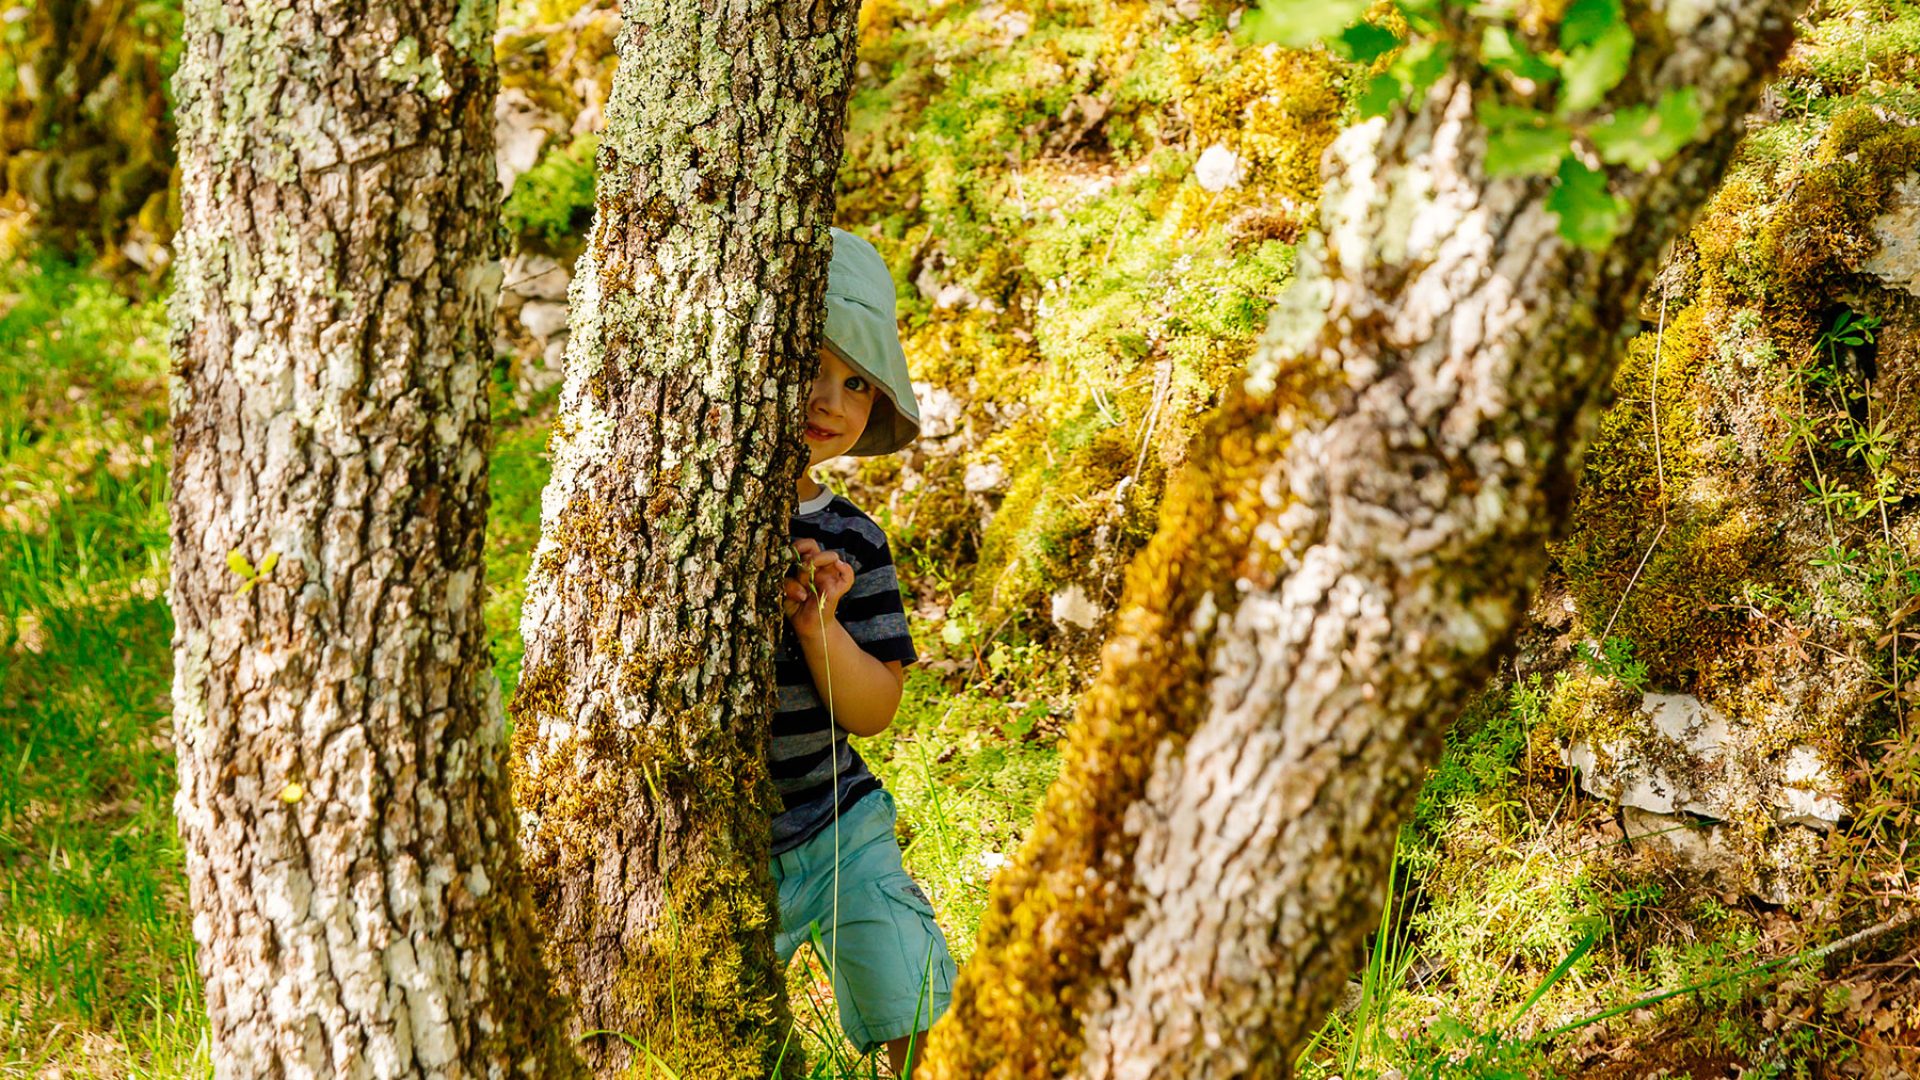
[343,784]
[1330,581]
[652,602]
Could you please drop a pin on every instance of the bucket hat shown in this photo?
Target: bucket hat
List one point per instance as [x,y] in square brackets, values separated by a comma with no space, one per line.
[861,331]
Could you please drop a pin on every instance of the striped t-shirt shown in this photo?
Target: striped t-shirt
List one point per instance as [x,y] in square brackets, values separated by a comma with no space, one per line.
[812,765]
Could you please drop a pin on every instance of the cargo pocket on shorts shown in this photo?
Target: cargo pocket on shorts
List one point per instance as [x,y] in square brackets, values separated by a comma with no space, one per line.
[923,947]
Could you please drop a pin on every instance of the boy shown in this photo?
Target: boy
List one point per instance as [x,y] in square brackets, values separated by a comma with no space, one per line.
[835,859]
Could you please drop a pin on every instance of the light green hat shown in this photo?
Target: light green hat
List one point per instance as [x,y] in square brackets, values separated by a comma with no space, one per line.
[861,331]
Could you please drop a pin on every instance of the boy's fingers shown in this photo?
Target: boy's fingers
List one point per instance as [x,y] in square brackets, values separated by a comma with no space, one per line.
[806,546]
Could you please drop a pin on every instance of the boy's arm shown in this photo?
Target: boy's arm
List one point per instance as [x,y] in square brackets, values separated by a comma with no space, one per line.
[865,689]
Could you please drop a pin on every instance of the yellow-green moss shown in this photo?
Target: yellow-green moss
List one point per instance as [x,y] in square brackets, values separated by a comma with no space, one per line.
[1658,549]
[1046,938]
[1791,232]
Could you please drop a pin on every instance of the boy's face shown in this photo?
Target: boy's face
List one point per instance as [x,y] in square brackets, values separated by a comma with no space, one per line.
[837,409]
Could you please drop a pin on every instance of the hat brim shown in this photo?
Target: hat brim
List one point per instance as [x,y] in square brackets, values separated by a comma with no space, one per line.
[888,428]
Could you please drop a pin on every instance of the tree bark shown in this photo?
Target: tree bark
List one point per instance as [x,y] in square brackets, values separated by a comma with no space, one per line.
[1331,581]
[343,798]
[652,602]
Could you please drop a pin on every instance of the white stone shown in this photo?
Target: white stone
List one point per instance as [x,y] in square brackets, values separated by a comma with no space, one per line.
[1898,230]
[1072,607]
[1701,734]
[543,318]
[520,129]
[1219,168]
[536,277]
[983,476]
[1802,790]
[939,410]
[1810,792]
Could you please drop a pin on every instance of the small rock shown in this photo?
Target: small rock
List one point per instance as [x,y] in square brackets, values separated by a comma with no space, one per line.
[551,368]
[1809,794]
[984,476]
[1072,607]
[543,319]
[1218,168]
[1898,230]
[520,129]
[939,410]
[536,277]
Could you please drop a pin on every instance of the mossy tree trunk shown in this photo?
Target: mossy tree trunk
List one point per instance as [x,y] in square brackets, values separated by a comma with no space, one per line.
[652,603]
[1331,580]
[343,790]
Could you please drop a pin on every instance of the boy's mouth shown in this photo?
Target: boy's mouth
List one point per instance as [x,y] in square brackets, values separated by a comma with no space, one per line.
[818,434]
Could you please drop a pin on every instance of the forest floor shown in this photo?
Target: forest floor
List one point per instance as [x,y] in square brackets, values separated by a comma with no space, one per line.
[1524,934]
[96,956]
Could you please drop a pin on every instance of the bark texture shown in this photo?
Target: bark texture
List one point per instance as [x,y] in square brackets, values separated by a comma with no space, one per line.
[652,602]
[343,789]
[1331,580]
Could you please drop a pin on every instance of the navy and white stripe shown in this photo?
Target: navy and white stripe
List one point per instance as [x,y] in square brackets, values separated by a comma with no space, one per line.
[812,765]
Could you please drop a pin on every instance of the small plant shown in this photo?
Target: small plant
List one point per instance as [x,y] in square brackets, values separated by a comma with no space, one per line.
[1614,660]
[1850,330]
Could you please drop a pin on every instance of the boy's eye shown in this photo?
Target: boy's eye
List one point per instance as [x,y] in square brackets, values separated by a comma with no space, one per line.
[856,384]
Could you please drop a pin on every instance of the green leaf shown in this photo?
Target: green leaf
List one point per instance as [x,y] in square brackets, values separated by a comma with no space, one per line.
[1420,66]
[1502,51]
[1587,20]
[1381,94]
[1642,137]
[267,564]
[1299,23]
[1590,215]
[238,563]
[1365,42]
[1595,68]
[1522,142]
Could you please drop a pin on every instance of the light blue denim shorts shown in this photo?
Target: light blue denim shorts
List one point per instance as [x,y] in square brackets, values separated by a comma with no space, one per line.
[892,975]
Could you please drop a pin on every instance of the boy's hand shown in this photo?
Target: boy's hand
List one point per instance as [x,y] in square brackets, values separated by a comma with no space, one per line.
[802,600]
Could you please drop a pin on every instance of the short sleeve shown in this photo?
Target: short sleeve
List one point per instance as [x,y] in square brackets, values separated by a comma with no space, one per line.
[871,611]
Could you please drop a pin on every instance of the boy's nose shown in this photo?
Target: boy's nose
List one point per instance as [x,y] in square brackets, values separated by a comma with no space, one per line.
[826,399]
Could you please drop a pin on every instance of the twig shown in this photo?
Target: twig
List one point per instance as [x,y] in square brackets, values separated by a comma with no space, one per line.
[1659,463]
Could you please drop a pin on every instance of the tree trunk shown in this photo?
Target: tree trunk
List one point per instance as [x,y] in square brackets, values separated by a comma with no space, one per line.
[652,602]
[343,798]
[1330,582]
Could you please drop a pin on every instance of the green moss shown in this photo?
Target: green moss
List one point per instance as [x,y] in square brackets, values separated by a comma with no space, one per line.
[552,203]
[1789,231]
[1659,547]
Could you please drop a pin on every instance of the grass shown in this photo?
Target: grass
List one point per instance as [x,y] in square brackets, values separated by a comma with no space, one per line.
[96,953]
[96,961]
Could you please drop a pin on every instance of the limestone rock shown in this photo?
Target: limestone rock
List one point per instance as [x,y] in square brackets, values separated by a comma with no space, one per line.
[543,319]
[1219,168]
[520,130]
[984,476]
[1072,607]
[536,277]
[1898,230]
[1685,759]
[940,410]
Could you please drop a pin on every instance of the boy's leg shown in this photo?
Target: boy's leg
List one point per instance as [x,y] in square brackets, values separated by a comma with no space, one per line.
[898,1049]
[894,976]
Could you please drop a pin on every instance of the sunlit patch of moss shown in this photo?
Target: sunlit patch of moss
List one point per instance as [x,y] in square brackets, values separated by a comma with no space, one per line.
[1275,108]
[551,206]
[1855,46]
[1794,228]
[1658,547]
